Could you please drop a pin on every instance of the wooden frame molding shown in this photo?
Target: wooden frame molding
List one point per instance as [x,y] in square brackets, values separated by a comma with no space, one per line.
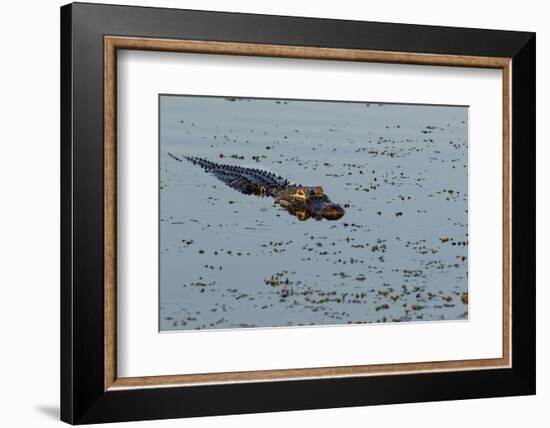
[113,43]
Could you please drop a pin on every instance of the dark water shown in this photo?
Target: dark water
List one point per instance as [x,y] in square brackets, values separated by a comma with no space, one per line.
[400,253]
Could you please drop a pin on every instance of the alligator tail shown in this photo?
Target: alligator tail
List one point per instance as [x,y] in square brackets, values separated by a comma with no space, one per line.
[203,163]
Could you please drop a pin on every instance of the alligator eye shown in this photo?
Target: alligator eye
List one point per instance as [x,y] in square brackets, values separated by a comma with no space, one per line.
[317,191]
[300,194]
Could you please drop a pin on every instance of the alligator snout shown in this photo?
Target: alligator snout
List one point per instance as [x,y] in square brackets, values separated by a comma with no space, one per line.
[332,212]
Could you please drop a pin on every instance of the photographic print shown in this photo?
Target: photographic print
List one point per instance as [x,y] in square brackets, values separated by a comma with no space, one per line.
[286,212]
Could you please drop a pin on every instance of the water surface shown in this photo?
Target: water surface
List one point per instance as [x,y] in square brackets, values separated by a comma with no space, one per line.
[400,253]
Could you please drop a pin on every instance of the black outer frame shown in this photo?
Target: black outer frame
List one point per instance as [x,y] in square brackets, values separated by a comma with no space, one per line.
[83,399]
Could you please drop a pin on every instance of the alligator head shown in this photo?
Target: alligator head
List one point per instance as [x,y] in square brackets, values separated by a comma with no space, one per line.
[308,202]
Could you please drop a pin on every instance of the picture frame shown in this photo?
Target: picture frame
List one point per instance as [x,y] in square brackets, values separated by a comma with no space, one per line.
[91,390]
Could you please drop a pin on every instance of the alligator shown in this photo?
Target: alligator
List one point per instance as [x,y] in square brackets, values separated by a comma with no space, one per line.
[301,201]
